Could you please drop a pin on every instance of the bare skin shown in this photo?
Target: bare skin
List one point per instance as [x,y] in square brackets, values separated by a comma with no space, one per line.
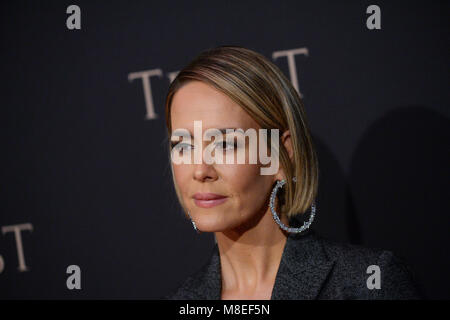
[250,243]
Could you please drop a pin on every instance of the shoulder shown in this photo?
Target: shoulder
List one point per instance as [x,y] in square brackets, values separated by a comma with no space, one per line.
[202,284]
[361,272]
[350,256]
[187,289]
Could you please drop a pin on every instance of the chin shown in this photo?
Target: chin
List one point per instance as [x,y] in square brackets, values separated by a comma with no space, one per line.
[211,224]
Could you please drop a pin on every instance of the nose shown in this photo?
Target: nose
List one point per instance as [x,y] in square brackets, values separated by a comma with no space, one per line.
[204,172]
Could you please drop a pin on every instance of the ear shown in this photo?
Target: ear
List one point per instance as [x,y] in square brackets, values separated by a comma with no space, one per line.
[287,142]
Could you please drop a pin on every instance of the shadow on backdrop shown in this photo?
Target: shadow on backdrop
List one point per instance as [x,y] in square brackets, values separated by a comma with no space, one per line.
[399,181]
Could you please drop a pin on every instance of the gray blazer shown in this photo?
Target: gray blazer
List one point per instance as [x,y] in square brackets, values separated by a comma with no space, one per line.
[312,267]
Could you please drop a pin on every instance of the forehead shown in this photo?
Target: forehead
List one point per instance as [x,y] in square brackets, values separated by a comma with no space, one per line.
[197,101]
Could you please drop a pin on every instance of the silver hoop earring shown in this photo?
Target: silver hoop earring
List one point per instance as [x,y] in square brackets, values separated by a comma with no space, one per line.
[193,223]
[305,225]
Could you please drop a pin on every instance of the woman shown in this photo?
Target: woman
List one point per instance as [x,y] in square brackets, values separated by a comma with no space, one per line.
[261,251]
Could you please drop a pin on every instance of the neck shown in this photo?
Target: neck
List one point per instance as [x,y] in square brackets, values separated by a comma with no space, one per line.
[250,258]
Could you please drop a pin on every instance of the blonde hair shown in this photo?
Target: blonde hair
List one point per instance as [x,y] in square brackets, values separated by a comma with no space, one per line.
[261,89]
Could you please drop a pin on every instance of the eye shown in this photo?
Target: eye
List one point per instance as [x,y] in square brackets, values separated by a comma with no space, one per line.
[182,147]
[224,145]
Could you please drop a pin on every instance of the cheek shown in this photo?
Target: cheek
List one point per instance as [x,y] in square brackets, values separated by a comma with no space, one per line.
[246,183]
[181,174]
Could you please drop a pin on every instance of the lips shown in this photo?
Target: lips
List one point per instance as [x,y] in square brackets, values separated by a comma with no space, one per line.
[208,200]
[208,196]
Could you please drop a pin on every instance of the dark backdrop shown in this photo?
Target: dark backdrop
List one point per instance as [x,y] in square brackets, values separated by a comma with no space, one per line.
[84,166]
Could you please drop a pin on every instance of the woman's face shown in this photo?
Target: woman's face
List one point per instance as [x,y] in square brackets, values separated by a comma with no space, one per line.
[246,191]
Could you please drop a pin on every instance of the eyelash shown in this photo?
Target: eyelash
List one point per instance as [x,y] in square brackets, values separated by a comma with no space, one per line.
[181,145]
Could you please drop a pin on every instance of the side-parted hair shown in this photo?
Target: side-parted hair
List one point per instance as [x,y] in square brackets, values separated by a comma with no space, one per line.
[262,90]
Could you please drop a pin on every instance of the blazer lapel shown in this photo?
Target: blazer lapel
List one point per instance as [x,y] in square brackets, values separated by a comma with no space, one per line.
[209,284]
[303,269]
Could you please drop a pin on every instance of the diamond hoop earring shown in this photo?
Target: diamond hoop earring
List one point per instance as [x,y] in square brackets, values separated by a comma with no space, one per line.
[305,225]
[193,223]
